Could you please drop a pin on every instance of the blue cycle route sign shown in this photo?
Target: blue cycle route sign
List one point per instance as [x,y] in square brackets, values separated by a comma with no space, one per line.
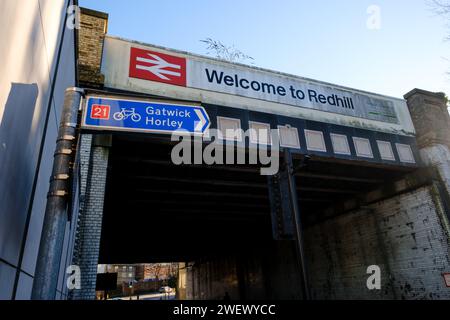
[113,114]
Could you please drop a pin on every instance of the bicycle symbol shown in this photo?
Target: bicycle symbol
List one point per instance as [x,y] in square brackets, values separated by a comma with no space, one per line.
[124,114]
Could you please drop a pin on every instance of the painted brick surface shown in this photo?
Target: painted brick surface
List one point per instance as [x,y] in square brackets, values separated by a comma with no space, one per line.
[438,156]
[94,163]
[404,235]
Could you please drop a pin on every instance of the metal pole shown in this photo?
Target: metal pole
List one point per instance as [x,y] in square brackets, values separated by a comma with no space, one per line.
[297,220]
[52,238]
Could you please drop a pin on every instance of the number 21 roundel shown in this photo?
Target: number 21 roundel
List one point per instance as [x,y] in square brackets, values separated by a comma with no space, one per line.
[157,66]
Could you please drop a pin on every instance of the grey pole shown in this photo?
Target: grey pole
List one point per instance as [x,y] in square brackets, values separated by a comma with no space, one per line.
[297,221]
[52,238]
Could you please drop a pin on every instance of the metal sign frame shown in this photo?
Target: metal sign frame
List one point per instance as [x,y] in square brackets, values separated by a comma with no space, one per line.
[193,105]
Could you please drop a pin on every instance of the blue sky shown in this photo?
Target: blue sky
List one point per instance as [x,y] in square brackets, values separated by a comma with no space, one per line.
[326,40]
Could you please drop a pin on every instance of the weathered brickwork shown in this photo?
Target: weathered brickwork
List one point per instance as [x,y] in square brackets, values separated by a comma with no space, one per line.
[404,235]
[90,47]
[430,117]
[85,156]
[94,164]
[438,157]
[271,272]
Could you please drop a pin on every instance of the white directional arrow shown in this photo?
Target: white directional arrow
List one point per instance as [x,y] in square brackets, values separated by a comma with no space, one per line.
[202,121]
[159,68]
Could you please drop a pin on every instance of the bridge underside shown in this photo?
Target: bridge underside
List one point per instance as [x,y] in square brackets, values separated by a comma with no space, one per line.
[220,215]
[158,211]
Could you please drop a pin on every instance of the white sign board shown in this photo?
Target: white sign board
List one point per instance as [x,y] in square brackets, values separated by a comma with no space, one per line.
[149,69]
[259,85]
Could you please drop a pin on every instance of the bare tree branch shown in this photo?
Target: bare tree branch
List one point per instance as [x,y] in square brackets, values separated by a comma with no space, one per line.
[228,53]
[440,7]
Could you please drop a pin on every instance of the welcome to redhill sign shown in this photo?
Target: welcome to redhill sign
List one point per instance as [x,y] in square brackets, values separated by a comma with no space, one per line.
[136,67]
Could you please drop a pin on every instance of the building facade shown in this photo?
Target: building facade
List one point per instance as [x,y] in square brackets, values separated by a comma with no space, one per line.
[38,54]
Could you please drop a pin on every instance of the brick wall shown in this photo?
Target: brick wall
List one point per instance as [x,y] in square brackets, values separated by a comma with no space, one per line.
[210,279]
[94,26]
[270,272]
[430,117]
[94,154]
[405,235]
